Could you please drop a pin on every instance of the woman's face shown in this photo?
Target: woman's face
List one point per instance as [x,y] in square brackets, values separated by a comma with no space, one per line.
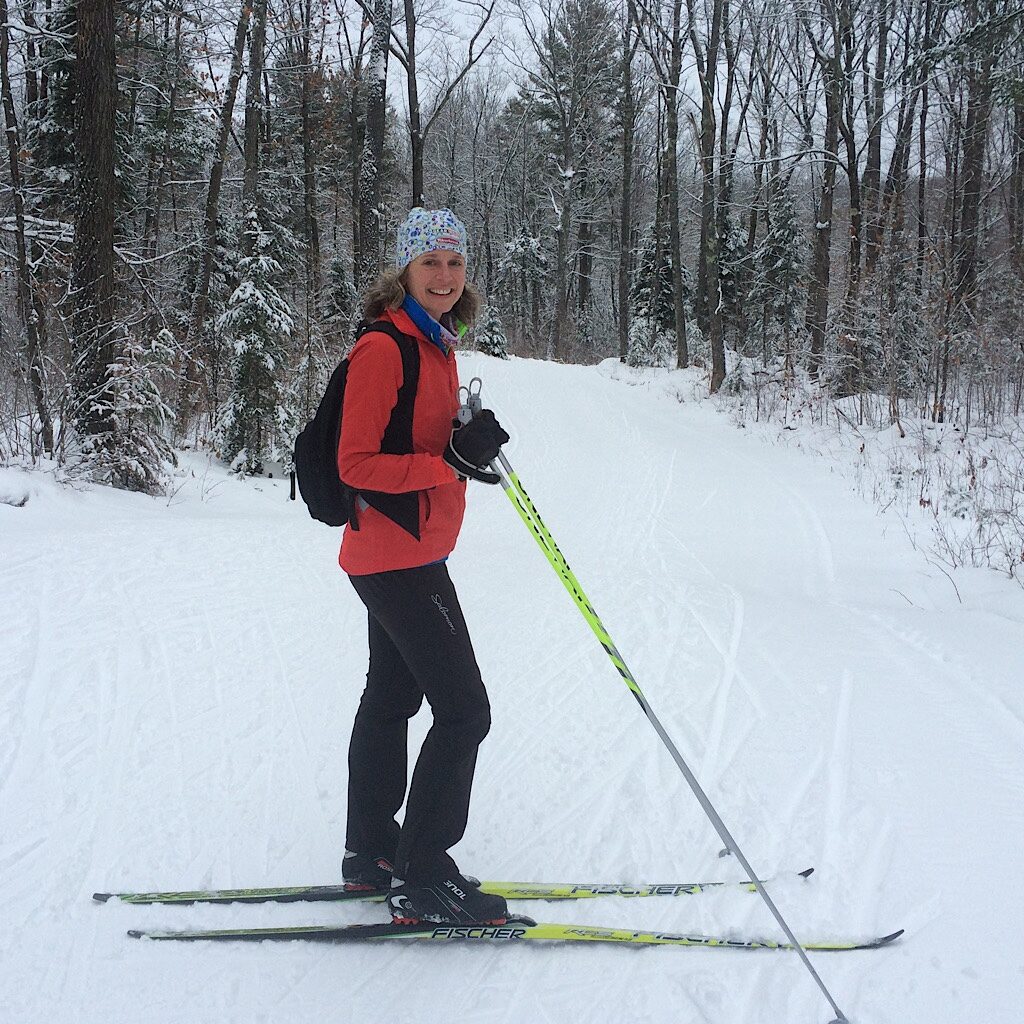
[436,280]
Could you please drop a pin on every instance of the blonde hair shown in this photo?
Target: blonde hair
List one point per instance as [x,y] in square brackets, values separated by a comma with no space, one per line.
[388,292]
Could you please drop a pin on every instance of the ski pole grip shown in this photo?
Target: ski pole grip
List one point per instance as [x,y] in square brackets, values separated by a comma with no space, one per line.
[472,404]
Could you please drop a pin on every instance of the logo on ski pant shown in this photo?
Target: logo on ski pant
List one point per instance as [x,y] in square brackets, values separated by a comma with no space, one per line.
[444,611]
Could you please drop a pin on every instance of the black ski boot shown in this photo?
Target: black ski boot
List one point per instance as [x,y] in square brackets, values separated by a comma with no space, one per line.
[360,871]
[450,900]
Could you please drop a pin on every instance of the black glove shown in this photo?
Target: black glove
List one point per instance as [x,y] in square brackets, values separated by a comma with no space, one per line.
[474,446]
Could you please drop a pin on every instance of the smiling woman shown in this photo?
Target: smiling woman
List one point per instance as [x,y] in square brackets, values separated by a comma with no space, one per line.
[398,450]
[426,239]
[436,280]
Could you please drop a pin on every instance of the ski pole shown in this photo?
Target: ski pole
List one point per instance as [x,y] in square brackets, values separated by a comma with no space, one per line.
[527,511]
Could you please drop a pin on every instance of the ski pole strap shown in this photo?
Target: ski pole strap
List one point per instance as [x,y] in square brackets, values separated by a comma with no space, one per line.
[531,517]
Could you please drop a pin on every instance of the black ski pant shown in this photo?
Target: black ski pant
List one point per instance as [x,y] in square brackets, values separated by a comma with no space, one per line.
[419,646]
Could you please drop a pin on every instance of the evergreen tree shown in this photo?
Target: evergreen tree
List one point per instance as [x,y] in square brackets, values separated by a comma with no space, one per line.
[904,343]
[133,452]
[50,120]
[490,334]
[652,335]
[777,290]
[341,302]
[523,271]
[576,43]
[161,134]
[734,277]
[586,340]
[258,422]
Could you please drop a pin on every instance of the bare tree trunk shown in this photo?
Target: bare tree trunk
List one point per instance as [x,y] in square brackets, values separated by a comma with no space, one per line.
[92,274]
[894,190]
[29,306]
[1015,205]
[668,67]
[418,131]
[873,165]
[310,216]
[200,296]
[372,158]
[765,74]
[253,120]
[165,158]
[821,261]
[709,296]
[31,56]
[672,170]
[559,323]
[584,242]
[922,159]
[356,133]
[965,256]
[847,126]
[627,113]
[412,86]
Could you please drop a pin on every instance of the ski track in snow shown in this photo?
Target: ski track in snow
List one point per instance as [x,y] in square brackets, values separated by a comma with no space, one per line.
[179,678]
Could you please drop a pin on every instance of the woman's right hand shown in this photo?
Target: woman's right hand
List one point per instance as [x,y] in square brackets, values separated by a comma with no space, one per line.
[475,446]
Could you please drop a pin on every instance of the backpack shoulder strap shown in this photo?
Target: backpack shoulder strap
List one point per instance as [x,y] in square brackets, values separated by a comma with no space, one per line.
[403,508]
[398,435]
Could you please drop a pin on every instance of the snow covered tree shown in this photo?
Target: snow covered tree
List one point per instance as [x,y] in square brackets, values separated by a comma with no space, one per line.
[523,269]
[652,336]
[257,423]
[490,334]
[341,303]
[733,271]
[50,112]
[779,273]
[575,44]
[586,338]
[133,452]
[904,331]
[162,133]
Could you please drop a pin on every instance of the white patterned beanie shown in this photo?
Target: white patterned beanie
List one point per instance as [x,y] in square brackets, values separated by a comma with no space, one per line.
[426,230]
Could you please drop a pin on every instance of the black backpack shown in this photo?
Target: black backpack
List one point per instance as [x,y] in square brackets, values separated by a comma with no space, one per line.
[328,499]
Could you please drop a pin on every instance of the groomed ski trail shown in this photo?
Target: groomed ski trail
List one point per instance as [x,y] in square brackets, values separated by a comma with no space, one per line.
[179,678]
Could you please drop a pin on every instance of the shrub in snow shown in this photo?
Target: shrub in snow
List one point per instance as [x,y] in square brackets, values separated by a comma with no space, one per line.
[958,489]
[649,345]
[132,452]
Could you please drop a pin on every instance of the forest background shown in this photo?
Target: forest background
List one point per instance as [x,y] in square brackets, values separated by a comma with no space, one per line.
[818,205]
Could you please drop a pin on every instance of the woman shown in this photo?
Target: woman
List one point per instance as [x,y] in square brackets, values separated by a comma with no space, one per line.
[419,644]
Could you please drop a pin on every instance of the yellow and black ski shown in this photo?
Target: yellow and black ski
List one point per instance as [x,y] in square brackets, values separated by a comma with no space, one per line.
[510,890]
[514,930]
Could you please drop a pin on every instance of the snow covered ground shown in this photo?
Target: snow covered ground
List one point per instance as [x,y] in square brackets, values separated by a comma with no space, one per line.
[178,678]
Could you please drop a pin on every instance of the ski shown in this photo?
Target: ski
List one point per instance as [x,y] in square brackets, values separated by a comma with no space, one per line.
[515,929]
[510,890]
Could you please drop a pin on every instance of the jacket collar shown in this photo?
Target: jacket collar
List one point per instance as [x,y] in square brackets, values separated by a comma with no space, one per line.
[440,334]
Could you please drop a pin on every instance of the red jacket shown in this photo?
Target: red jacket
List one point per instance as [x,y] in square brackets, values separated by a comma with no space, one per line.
[371,391]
